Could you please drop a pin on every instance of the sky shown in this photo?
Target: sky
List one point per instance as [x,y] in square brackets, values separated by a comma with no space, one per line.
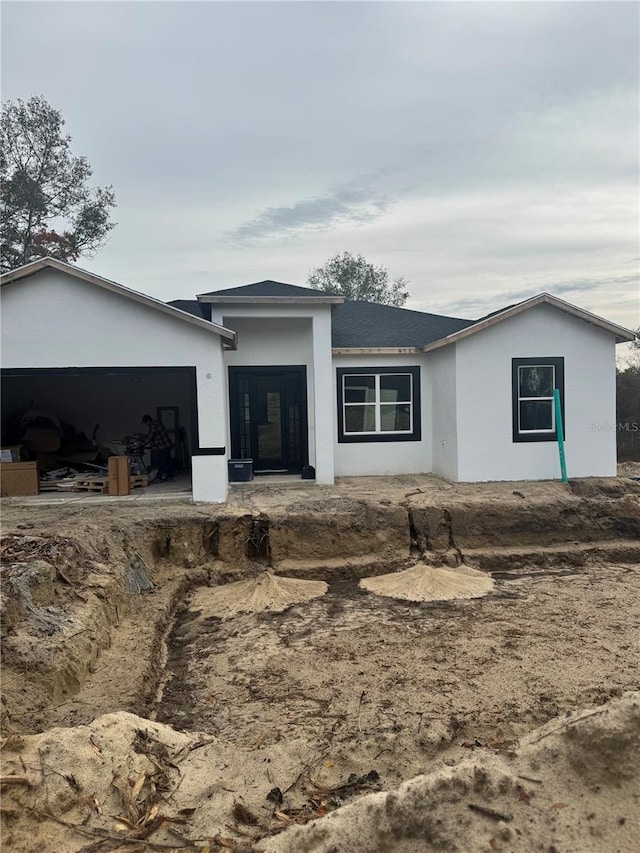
[484,151]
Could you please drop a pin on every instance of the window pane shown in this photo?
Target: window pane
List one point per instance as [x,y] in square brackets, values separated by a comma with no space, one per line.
[359,389]
[244,409]
[536,380]
[395,418]
[395,388]
[359,418]
[536,415]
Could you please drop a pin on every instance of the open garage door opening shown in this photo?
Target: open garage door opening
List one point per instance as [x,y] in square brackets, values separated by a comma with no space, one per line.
[71,420]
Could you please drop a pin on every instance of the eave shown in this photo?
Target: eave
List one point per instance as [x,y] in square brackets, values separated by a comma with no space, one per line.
[621,334]
[375,350]
[271,300]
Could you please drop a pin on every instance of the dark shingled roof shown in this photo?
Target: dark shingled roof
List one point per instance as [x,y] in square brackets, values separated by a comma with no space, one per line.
[368,324]
[268,288]
[191,306]
[355,324]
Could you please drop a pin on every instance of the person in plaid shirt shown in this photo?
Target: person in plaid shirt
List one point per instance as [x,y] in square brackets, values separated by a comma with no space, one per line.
[159,442]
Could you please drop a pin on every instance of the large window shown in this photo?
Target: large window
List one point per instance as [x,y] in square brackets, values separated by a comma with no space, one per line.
[378,404]
[533,382]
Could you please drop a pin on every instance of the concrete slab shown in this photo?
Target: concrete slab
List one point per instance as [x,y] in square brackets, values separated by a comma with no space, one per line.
[179,490]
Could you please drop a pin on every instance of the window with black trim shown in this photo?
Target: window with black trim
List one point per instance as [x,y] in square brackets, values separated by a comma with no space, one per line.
[533,410]
[378,404]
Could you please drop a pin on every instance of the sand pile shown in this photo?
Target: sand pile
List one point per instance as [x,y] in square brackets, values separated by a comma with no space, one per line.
[430,583]
[103,778]
[265,592]
[572,785]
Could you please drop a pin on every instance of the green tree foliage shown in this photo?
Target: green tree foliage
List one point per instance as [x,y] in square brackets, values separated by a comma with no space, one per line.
[628,406]
[356,279]
[47,207]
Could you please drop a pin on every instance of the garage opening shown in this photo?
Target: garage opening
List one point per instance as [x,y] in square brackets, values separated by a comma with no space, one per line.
[71,420]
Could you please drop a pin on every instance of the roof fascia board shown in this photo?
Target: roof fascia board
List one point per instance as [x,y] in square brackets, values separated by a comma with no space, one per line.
[271,300]
[228,335]
[622,335]
[375,350]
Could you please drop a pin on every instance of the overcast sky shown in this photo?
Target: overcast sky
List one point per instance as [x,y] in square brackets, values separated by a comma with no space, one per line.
[483,151]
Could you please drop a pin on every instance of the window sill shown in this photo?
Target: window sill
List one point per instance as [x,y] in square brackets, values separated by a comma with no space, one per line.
[375,437]
[525,437]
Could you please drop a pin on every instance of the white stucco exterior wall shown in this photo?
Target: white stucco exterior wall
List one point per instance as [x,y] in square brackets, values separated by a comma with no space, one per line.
[289,334]
[486,450]
[270,340]
[384,457]
[444,436]
[55,320]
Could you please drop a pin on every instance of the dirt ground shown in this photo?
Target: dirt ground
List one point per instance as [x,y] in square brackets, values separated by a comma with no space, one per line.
[182,730]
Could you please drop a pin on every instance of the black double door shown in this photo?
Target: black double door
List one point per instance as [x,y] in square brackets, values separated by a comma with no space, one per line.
[269,417]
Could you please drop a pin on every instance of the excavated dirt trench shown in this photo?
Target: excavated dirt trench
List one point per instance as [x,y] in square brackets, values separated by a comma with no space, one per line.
[104,612]
[77,607]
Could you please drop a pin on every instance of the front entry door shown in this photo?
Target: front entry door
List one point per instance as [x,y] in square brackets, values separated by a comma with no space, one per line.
[269,417]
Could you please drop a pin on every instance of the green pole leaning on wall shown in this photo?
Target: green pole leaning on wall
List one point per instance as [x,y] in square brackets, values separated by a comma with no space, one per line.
[560,434]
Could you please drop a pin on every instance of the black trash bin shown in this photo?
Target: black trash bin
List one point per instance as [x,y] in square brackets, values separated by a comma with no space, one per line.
[240,470]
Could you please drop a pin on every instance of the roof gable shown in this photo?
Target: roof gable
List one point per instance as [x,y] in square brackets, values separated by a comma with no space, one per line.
[269,290]
[621,334]
[35,267]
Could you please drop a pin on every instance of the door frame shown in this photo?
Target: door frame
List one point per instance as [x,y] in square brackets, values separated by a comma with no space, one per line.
[299,370]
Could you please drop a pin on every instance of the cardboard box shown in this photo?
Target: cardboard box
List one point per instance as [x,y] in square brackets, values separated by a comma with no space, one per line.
[19,478]
[119,484]
[10,453]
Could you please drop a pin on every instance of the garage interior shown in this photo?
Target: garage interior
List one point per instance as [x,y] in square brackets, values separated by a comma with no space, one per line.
[71,421]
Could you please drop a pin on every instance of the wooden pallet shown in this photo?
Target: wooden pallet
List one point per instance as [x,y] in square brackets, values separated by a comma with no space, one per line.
[100,485]
[48,485]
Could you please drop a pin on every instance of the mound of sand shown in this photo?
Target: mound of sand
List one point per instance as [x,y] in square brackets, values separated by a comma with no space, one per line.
[429,583]
[265,592]
[572,785]
[94,777]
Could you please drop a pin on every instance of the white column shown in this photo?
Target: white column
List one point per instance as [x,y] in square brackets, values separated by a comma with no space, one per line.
[209,479]
[324,402]
[209,473]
